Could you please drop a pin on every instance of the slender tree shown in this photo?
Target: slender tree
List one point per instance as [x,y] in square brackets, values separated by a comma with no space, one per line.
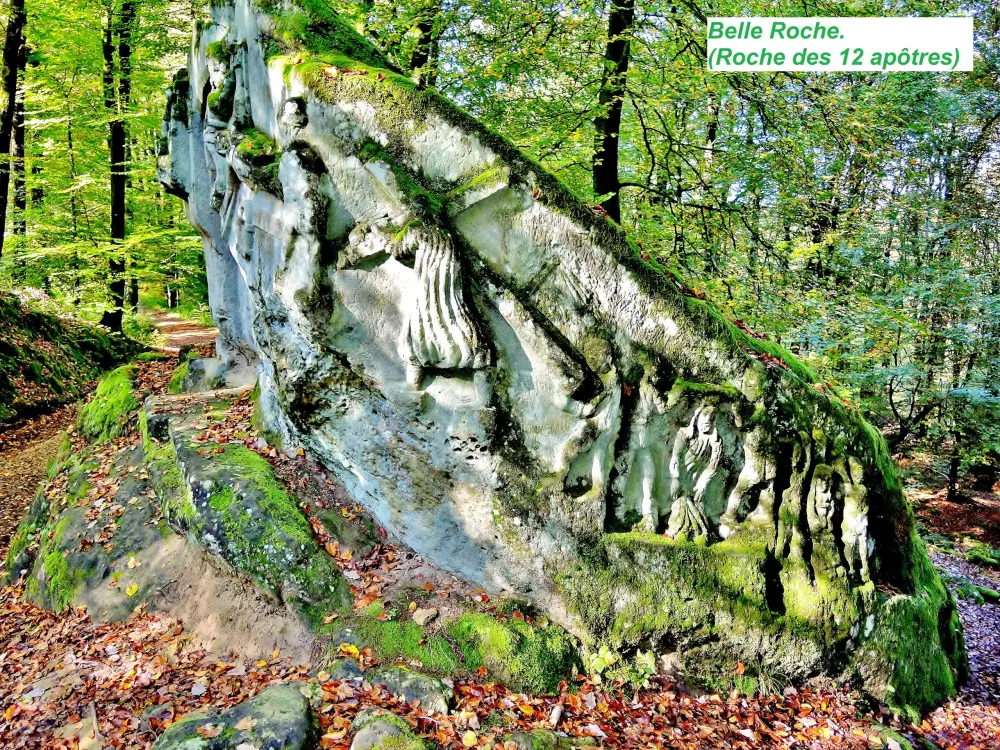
[13,67]
[610,101]
[117,99]
[424,57]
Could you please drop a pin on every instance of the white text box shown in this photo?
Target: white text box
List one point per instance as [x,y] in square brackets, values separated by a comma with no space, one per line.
[840,44]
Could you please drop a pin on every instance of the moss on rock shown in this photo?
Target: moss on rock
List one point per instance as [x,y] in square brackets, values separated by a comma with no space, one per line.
[176,384]
[161,461]
[234,503]
[280,716]
[152,357]
[377,728]
[408,642]
[526,657]
[110,413]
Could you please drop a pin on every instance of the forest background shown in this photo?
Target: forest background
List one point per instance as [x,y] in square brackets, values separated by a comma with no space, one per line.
[853,218]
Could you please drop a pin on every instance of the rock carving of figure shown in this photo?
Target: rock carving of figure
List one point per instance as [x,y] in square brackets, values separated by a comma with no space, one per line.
[440,333]
[695,465]
[857,544]
[821,505]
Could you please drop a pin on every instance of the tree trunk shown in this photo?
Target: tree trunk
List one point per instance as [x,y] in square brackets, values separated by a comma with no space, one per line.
[423,59]
[13,64]
[116,101]
[20,188]
[20,191]
[610,100]
[953,468]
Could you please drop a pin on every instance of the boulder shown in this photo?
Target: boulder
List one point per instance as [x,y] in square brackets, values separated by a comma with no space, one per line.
[227,499]
[279,718]
[519,392]
[380,730]
[434,695]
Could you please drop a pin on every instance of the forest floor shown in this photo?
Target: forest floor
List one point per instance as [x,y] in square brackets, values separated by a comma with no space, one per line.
[24,452]
[27,448]
[67,682]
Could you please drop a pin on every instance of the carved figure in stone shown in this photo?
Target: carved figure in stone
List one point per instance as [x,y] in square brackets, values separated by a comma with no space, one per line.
[821,505]
[858,545]
[440,333]
[700,467]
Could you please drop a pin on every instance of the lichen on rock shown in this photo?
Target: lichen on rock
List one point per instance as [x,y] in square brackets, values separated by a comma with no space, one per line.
[507,383]
[279,717]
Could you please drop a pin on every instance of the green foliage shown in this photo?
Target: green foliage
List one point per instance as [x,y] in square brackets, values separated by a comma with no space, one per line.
[984,554]
[63,253]
[111,411]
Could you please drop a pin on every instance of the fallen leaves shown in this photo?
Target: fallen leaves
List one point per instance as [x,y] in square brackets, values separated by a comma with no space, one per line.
[768,360]
[54,667]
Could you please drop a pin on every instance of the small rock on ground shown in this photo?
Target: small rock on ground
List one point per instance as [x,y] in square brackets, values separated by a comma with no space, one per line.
[424,616]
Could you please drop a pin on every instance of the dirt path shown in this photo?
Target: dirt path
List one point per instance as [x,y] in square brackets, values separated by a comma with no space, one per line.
[26,450]
[24,453]
[180,332]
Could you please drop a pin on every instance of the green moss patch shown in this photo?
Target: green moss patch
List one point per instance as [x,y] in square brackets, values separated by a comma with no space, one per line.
[220,51]
[408,642]
[161,461]
[110,413]
[152,357]
[314,26]
[427,202]
[526,657]
[910,654]
[983,554]
[176,384]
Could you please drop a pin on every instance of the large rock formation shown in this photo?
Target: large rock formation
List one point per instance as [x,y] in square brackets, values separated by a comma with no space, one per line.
[519,393]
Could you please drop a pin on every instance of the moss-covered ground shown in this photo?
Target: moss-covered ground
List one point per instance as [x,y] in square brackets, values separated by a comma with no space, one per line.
[47,360]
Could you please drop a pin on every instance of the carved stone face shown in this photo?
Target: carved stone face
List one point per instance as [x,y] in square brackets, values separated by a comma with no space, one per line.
[704,436]
[706,421]
[823,491]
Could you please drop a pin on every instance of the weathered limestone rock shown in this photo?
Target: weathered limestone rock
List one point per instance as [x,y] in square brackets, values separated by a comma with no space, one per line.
[227,499]
[520,394]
